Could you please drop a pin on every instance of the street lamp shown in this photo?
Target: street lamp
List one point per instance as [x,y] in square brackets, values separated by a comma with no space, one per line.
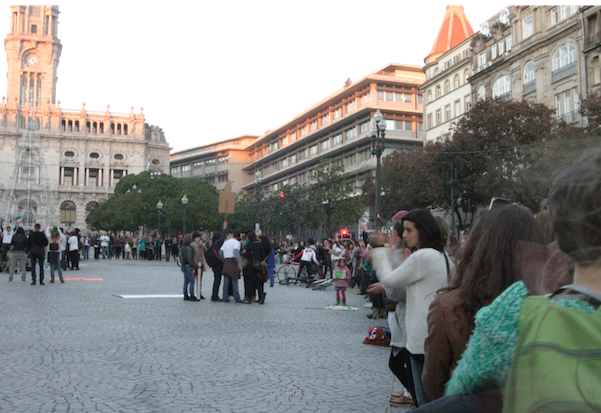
[184,202]
[159,207]
[258,179]
[378,132]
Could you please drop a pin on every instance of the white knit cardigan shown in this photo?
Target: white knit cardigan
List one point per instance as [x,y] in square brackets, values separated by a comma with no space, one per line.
[424,272]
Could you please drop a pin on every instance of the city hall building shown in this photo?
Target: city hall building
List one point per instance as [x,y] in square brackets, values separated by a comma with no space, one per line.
[85,152]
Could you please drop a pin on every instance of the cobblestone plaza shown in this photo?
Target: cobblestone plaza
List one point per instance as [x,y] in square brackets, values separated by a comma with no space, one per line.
[80,347]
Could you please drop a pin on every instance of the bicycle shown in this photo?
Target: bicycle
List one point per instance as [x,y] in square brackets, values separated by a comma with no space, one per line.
[289,274]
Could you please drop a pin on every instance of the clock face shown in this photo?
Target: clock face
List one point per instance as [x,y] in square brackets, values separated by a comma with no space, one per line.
[32,60]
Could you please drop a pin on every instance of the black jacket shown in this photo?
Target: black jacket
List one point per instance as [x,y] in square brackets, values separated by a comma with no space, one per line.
[19,243]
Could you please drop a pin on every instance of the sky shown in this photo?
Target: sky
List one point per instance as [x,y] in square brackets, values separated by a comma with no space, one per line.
[209,71]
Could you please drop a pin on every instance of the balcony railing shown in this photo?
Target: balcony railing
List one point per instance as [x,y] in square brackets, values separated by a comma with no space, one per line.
[565,71]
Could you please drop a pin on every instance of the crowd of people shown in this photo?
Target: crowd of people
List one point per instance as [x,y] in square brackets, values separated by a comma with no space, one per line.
[510,321]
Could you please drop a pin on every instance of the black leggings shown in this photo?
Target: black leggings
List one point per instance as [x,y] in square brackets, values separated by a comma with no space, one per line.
[400,365]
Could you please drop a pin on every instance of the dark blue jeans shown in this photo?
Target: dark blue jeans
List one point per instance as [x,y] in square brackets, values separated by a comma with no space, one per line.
[40,261]
[188,280]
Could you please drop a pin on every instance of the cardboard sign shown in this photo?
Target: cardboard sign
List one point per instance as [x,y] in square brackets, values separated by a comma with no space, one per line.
[227,199]
[339,274]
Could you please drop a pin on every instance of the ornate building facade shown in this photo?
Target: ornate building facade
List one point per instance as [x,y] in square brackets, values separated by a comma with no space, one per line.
[86,152]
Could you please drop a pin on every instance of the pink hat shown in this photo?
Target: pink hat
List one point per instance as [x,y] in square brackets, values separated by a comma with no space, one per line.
[399,215]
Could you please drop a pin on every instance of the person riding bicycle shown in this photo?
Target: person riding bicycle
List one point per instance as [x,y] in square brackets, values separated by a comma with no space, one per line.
[308,258]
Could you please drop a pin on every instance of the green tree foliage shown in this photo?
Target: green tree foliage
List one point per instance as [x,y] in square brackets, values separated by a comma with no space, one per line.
[590,107]
[134,204]
[499,148]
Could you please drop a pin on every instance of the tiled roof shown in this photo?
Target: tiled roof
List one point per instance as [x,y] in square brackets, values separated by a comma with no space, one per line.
[455,29]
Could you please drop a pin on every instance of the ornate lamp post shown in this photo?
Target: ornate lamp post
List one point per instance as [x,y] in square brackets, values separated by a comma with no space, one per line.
[184,203]
[159,207]
[378,132]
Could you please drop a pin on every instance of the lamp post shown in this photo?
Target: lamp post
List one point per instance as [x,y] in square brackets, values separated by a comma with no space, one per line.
[378,132]
[159,207]
[452,181]
[258,179]
[184,203]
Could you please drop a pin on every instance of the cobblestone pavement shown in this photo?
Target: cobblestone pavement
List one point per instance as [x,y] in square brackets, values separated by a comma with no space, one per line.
[79,347]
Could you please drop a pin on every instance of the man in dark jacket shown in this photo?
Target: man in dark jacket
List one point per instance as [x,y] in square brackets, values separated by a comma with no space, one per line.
[187,269]
[37,251]
[216,244]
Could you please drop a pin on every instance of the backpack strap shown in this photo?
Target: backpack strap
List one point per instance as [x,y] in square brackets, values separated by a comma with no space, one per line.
[591,296]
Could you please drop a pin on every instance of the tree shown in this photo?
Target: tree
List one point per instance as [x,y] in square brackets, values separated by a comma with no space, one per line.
[134,204]
[332,202]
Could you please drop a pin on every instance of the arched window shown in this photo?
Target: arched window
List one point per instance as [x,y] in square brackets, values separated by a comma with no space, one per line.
[70,126]
[485,29]
[95,127]
[429,96]
[125,129]
[101,127]
[437,91]
[504,17]
[466,74]
[481,93]
[456,82]
[447,87]
[501,87]
[68,212]
[76,126]
[564,56]
[529,73]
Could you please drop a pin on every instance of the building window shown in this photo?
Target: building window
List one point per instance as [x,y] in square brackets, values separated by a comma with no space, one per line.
[564,56]
[210,161]
[509,42]
[564,12]
[504,17]
[429,124]
[68,211]
[337,113]
[94,155]
[554,15]
[429,96]
[529,73]
[69,154]
[567,104]
[313,126]
[468,103]
[438,117]
[325,145]
[337,139]
[456,81]
[223,159]
[447,87]
[437,91]
[117,176]
[365,127]
[186,168]
[501,87]
[93,177]
[351,160]
[175,170]
[275,166]
[528,26]
[447,113]
[481,93]
[351,134]
[292,159]
[313,150]
[595,70]
[350,106]
[285,140]
[325,120]
[402,125]
[285,163]
[420,100]
[481,59]
[293,136]
[457,108]
[198,164]
[303,131]
[485,29]
[222,178]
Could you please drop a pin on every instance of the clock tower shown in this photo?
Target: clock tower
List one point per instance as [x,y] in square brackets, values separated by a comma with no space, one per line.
[32,51]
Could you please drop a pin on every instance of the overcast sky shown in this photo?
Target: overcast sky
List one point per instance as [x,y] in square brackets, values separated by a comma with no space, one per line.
[208,71]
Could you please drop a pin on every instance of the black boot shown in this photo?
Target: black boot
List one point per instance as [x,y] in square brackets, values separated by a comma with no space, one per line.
[186,297]
[262,299]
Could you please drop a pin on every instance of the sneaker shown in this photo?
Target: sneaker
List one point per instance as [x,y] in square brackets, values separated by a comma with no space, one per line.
[401,401]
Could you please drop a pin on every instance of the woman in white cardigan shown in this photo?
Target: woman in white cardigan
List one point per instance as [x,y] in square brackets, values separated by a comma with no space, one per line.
[426,269]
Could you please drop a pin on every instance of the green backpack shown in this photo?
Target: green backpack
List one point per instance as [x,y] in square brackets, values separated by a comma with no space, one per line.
[557,363]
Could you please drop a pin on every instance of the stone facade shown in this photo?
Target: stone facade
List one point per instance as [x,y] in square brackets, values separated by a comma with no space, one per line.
[86,152]
[532,52]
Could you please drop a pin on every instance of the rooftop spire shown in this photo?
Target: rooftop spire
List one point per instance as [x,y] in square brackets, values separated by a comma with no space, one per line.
[455,29]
